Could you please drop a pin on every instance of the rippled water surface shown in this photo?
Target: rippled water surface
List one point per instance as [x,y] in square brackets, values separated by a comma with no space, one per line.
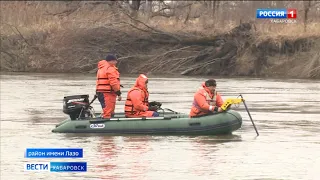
[286,113]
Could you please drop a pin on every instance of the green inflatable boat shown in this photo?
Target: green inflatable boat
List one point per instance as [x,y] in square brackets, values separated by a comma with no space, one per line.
[169,123]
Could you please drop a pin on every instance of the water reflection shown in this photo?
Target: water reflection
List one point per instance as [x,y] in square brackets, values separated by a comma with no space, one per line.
[122,154]
[107,152]
[134,154]
[218,139]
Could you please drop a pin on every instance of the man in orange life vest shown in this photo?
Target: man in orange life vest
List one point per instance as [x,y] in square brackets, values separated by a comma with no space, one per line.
[108,85]
[137,104]
[206,100]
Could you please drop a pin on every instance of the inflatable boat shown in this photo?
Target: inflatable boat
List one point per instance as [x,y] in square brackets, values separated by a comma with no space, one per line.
[169,122]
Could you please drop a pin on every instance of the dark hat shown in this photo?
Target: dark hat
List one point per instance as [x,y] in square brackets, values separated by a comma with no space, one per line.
[111,57]
[211,82]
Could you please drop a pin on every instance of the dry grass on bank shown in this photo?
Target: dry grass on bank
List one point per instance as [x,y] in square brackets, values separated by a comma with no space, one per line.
[265,29]
[52,33]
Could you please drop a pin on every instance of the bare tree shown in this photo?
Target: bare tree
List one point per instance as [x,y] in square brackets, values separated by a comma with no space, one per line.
[307,6]
[188,15]
[148,8]
[135,6]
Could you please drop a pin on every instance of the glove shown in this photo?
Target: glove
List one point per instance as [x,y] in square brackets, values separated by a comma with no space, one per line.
[153,108]
[215,109]
[118,93]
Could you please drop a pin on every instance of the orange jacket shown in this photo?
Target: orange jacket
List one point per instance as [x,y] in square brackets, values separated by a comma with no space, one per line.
[108,77]
[137,99]
[204,102]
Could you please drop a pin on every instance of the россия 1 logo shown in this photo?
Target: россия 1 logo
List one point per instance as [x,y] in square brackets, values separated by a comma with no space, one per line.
[278,15]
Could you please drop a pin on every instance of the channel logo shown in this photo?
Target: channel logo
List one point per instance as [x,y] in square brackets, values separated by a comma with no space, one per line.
[276,13]
[56,166]
[38,166]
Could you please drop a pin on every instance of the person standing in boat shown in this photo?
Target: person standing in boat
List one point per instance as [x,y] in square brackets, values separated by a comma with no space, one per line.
[137,104]
[108,85]
[206,100]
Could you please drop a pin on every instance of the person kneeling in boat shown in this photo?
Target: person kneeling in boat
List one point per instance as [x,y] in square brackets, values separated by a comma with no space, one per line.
[137,104]
[206,100]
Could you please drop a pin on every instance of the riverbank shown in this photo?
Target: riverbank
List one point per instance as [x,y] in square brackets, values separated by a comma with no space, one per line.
[75,43]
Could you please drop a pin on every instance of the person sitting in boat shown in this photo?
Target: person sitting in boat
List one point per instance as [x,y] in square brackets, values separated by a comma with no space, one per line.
[137,104]
[206,100]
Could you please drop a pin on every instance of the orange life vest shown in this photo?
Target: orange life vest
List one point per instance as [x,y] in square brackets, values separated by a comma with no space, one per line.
[129,108]
[103,82]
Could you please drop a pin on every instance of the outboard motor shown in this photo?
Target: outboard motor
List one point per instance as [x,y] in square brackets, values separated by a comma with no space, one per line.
[76,106]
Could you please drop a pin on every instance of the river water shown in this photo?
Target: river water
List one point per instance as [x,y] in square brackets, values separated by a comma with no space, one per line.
[286,113]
